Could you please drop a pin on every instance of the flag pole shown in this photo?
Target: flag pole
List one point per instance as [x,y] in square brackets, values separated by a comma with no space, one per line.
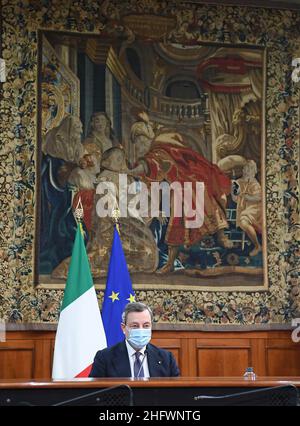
[116,215]
[80,332]
[79,214]
[118,290]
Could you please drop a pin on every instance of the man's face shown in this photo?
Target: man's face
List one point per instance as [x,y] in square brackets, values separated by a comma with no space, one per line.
[136,320]
[118,159]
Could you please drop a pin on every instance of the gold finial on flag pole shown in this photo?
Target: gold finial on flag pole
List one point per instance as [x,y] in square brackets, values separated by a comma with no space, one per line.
[79,214]
[115,215]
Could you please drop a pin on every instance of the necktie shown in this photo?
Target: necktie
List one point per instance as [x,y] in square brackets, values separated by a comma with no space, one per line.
[137,369]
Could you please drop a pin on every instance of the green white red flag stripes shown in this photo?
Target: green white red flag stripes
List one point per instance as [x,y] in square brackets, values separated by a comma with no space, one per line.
[80,333]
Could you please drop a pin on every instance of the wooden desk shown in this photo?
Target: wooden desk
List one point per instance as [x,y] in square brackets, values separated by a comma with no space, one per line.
[153,392]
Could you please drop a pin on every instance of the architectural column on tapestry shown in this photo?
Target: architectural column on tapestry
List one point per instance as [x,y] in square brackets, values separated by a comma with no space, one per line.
[60,86]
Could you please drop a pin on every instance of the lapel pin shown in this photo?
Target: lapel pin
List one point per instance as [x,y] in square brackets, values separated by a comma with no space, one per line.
[159,362]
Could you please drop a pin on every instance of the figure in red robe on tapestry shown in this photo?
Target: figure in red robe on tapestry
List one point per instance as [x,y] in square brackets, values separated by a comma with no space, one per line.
[83,178]
[166,158]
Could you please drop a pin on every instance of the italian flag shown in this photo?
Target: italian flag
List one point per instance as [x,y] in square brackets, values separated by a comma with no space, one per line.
[80,333]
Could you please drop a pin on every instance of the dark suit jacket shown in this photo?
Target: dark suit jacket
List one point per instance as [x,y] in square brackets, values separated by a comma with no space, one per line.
[114,362]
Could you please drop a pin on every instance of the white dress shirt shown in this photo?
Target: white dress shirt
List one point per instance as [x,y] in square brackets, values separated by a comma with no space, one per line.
[131,356]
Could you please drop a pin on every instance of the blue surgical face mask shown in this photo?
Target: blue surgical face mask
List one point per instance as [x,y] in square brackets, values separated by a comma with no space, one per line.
[139,337]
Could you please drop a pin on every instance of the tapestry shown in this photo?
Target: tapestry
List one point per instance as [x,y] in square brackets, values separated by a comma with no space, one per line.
[127,26]
[171,114]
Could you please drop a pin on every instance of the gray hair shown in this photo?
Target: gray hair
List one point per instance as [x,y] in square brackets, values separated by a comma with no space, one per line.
[135,307]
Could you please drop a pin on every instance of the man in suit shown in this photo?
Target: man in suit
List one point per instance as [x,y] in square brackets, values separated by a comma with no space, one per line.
[135,356]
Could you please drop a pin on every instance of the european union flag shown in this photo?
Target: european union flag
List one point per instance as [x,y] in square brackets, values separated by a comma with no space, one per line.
[117,294]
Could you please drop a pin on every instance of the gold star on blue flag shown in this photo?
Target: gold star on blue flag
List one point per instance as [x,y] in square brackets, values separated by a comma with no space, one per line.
[114,296]
[131,298]
[118,292]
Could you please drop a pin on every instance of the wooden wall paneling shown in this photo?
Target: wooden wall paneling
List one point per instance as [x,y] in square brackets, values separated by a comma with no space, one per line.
[189,358]
[185,353]
[223,357]
[43,359]
[172,345]
[17,359]
[282,357]
[29,354]
[258,356]
[52,352]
